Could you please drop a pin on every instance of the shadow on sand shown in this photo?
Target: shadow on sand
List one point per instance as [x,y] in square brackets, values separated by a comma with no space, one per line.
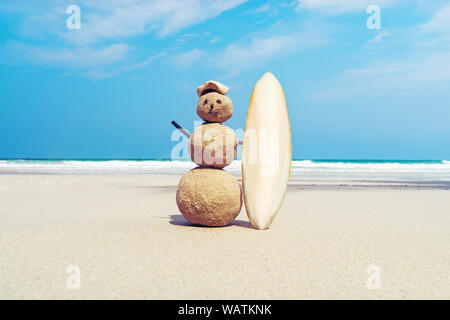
[179,220]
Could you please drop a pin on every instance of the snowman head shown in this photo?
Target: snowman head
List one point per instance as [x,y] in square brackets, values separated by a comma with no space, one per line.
[214,107]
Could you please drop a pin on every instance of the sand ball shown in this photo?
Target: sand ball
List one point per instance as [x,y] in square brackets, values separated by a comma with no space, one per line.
[213,145]
[214,107]
[209,197]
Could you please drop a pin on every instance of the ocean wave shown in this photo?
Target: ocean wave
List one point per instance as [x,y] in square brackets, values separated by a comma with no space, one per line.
[107,166]
[301,169]
[369,166]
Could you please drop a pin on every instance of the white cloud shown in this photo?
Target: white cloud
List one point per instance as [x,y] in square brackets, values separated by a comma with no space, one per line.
[422,65]
[79,57]
[259,51]
[214,39]
[418,74]
[340,6]
[424,72]
[266,9]
[187,58]
[187,37]
[115,19]
[439,23]
[103,19]
[379,37]
[193,36]
[434,34]
[263,8]
[142,64]
[120,68]
[96,63]
[105,26]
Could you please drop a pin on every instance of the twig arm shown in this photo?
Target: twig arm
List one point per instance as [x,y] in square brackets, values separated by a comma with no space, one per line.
[183,131]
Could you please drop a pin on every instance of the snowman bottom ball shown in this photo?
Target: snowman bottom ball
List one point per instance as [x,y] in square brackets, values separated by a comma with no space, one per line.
[209,197]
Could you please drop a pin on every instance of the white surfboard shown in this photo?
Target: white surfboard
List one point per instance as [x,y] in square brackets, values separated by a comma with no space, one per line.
[266,152]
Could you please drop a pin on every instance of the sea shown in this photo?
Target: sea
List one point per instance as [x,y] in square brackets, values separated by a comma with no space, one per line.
[373,170]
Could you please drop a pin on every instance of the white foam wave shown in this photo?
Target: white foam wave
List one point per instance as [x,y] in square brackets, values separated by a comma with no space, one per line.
[305,169]
[107,166]
[420,171]
[372,166]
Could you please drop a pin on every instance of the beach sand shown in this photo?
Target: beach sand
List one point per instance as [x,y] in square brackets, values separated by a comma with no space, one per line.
[128,239]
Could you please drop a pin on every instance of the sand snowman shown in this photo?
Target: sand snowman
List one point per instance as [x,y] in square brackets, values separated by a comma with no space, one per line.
[209,195]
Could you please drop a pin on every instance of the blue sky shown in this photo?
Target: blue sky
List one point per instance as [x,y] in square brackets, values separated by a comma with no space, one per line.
[111,88]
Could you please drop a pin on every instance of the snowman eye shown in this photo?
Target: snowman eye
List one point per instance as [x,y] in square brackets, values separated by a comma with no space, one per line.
[219,101]
[205,102]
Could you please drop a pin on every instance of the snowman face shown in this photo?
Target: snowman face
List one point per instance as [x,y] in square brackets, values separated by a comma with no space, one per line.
[214,107]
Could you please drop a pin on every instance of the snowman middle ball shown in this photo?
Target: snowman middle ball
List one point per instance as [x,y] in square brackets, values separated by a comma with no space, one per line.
[213,145]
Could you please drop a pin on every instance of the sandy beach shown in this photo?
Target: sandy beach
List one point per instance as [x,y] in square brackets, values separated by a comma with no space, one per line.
[127,238]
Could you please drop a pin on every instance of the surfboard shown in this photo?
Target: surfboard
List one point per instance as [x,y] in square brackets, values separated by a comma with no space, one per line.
[266,152]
